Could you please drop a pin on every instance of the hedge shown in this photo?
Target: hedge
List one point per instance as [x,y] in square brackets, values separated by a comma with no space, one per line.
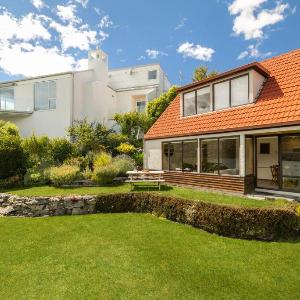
[226,220]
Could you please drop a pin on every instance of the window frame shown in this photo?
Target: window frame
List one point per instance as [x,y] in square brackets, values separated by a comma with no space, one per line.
[150,72]
[196,101]
[48,96]
[229,91]
[178,141]
[139,101]
[218,139]
[14,102]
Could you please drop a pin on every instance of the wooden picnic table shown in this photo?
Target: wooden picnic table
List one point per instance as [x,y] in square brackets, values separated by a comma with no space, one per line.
[135,177]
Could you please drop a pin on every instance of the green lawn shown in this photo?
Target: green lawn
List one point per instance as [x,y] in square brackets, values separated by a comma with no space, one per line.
[136,256]
[187,193]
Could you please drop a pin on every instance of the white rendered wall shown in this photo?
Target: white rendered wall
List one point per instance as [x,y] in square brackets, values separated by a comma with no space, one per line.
[152,155]
[53,123]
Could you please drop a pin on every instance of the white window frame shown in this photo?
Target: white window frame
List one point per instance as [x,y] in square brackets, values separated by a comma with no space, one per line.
[49,99]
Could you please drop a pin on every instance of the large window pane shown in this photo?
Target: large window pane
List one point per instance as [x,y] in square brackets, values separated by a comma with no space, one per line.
[239,91]
[190,152]
[165,156]
[7,101]
[221,95]
[175,152]
[45,95]
[290,154]
[203,100]
[189,107]
[209,156]
[229,149]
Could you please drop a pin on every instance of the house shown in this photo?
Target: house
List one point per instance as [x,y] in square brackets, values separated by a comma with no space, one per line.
[48,105]
[238,131]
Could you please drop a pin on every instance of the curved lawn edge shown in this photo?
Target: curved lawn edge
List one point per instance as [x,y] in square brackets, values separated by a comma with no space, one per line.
[226,220]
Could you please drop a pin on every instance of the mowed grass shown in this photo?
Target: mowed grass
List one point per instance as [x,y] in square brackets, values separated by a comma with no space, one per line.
[188,193]
[138,256]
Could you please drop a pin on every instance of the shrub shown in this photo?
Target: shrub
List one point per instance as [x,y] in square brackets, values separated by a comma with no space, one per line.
[123,163]
[126,148]
[64,174]
[12,160]
[102,159]
[105,174]
[10,182]
[61,149]
[226,220]
[36,176]
[37,151]
[139,159]
[80,162]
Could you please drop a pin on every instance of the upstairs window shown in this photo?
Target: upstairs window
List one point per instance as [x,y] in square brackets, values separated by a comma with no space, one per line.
[152,74]
[239,91]
[45,95]
[221,95]
[189,104]
[196,102]
[232,92]
[203,100]
[7,100]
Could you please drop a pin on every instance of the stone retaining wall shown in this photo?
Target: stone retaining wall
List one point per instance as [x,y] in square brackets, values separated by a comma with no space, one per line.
[11,205]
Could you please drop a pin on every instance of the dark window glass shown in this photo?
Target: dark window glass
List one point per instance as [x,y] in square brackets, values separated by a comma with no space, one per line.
[152,74]
[190,152]
[264,148]
[165,156]
[209,156]
[175,152]
[229,153]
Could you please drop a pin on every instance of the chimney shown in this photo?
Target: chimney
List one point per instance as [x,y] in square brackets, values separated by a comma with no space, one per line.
[98,61]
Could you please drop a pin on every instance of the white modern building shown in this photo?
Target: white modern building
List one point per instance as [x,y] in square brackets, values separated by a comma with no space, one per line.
[48,105]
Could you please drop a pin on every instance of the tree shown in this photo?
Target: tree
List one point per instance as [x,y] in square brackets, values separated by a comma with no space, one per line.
[89,136]
[132,124]
[201,73]
[157,106]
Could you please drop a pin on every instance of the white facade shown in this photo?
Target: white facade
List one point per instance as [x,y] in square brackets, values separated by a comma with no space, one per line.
[96,94]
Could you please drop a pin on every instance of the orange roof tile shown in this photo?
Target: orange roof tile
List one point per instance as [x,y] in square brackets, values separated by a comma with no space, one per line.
[278,104]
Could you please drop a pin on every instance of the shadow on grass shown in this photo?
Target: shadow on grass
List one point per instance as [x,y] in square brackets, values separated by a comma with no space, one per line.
[150,188]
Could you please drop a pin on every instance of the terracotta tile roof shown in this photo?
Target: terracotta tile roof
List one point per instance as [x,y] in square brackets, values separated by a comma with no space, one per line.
[278,104]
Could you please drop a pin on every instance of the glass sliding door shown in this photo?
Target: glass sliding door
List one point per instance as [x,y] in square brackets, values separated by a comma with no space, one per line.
[190,153]
[209,156]
[229,156]
[175,153]
[290,162]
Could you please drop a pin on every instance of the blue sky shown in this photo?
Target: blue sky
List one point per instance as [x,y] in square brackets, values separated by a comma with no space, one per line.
[43,36]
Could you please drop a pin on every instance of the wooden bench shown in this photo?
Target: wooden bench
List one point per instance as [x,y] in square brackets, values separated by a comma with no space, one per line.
[135,177]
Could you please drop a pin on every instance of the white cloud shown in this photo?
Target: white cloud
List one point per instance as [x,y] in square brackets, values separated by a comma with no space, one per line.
[181,23]
[119,51]
[82,64]
[38,4]
[154,54]
[195,51]
[84,3]
[72,37]
[254,52]
[105,22]
[251,19]
[27,28]
[28,60]
[68,13]
[142,57]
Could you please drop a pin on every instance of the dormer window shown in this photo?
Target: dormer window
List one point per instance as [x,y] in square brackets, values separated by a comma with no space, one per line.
[196,102]
[232,92]
[227,93]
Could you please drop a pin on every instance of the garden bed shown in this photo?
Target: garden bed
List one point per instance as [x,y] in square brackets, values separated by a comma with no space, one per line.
[233,221]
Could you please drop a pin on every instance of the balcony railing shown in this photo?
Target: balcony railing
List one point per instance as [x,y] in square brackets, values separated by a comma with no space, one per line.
[16,106]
